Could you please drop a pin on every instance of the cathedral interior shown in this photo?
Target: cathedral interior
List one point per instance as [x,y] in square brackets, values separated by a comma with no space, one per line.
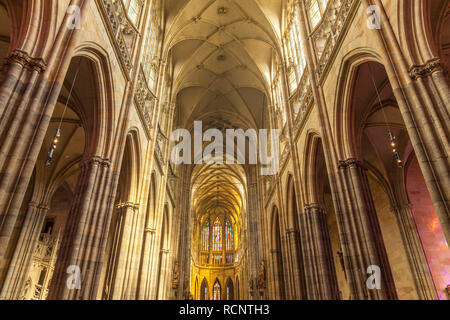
[93,207]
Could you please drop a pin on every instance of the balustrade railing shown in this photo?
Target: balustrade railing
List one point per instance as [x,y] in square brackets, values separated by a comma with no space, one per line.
[122,30]
[326,35]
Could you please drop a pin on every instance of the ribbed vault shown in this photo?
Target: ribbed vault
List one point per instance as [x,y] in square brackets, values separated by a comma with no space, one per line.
[222,52]
[219,189]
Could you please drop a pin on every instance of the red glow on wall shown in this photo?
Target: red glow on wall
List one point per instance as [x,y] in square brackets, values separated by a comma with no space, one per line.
[432,238]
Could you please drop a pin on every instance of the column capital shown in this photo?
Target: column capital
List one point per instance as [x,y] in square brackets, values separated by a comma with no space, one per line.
[150,230]
[128,205]
[43,207]
[351,163]
[24,59]
[427,69]
[97,160]
[313,206]
[33,204]
[292,231]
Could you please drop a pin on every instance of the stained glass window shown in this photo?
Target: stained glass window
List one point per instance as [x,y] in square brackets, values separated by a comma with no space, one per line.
[229,236]
[205,236]
[133,8]
[316,10]
[150,61]
[295,52]
[217,236]
[217,258]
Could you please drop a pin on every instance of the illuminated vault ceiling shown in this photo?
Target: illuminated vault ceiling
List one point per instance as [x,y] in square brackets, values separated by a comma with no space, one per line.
[219,189]
[222,52]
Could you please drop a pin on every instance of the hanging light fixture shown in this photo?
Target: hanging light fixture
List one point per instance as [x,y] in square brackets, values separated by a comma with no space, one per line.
[57,136]
[393,140]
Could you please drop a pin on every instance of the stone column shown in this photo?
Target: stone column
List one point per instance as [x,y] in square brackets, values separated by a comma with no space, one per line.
[18,123]
[423,97]
[287,267]
[416,256]
[28,94]
[163,271]
[362,241]
[86,234]
[20,263]
[253,226]
[321,274]
[144,286]
[277,275]
[123,276]
[293,238]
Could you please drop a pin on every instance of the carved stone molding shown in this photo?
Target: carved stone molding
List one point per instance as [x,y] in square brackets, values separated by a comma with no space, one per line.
[292,231]
[26,61]
[145,101]
[313,206]
[33,205]
[121,29]
[96,160]
[128,205]
[43,207]
[425,70]
[351,163]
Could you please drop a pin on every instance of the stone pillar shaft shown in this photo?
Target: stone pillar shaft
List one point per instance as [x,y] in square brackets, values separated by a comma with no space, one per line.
[28,95]
[86,234]
[423,97]
[297,268]
[365,245]
[321,275]
[20,264]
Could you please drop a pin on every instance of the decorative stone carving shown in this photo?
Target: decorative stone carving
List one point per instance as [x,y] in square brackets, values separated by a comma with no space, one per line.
[327,33]
[175,277]
[26,289]
[349,163]
[426,69]
[26,61]
[145,101]
[262,276]
[97,161]
[250,286]
[121,28]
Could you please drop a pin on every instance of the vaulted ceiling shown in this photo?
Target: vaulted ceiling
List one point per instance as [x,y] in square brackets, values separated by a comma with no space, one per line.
[219,189]
[222,52]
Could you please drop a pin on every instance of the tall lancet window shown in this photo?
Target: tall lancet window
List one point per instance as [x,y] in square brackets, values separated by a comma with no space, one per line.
[229,236]
[316,10]
[295,51]
[150,61]
[205,236]
[133,8]
[217,236]
[216,291]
